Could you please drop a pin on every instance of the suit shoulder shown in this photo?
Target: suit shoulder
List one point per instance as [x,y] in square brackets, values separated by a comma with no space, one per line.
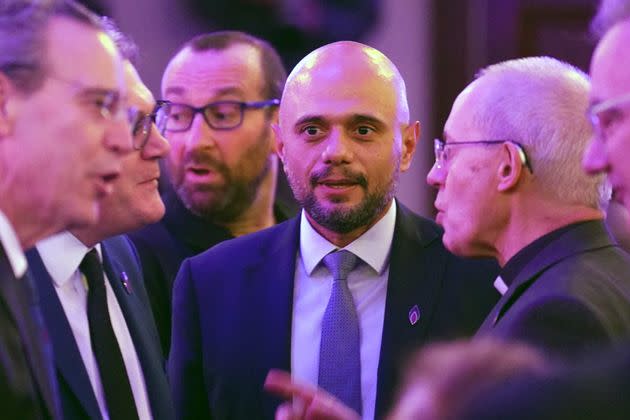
[252,244]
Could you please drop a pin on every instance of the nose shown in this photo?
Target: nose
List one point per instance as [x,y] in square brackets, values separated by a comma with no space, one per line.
[436,175]
[595,159]
[199,134]
[157,146]
[337,148]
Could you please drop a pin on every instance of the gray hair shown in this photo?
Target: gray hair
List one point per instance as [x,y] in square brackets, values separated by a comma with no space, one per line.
[541,103]
[610,12]
[23,26]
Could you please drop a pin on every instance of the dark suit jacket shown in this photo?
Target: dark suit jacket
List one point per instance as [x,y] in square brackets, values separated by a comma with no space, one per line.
[573,296]
[596,388]
[233,306]
[77,396]
[28,388]
[164,245]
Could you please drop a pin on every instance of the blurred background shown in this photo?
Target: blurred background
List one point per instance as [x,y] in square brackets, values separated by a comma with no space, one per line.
[438,45]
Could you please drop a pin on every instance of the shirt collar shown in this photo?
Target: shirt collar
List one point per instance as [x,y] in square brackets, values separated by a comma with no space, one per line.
[62,254]
[313,246]
[12,247]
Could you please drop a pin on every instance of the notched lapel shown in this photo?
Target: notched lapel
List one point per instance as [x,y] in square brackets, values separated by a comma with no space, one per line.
[66,352]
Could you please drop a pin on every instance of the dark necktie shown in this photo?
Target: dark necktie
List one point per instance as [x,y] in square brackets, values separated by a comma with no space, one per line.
[118,395]
[339,354]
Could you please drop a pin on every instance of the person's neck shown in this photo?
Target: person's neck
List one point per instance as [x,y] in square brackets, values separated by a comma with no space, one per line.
[260,214]
[529,224]
[343,239]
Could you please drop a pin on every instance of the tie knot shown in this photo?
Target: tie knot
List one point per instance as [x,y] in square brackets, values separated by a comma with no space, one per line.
[340,263]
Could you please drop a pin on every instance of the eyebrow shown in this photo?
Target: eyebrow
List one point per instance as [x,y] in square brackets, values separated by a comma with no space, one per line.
[313,119]
[363,118]
[230,90]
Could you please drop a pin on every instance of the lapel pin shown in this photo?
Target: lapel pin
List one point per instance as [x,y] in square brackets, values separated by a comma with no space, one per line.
[414,315]
[124,279]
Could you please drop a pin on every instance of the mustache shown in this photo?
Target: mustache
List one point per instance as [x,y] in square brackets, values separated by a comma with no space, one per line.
[347,173]
[203,158]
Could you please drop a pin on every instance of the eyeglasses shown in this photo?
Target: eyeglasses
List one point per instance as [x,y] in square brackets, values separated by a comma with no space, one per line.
[604,114]
[141,123]
[222,115]
[441,152]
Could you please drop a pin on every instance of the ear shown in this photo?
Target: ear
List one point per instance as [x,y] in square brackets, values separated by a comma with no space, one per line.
[511,167]
[409,141]
[6,91]
[278,143]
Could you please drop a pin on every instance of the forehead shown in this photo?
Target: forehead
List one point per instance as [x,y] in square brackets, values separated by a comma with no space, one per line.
[78,52]
[201,76]
[139,94]
[610,63]
[460,125]
[335,92]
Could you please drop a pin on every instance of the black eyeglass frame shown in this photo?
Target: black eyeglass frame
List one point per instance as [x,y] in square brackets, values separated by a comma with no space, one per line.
[439,146]
[142,125]
[242,106]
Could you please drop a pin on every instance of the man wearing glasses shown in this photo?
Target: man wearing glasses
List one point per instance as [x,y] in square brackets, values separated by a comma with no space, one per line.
[90,284]
[222,168]
[63,131]
[510,186]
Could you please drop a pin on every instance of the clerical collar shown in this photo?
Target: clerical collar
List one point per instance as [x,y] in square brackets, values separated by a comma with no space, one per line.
[516,264]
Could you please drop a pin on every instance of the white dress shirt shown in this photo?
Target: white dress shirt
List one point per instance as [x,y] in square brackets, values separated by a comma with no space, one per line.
[12,247]
[368,285]
[62,254]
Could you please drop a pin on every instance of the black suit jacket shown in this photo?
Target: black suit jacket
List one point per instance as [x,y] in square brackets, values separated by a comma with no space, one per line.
[164,245]
[572,297]
[77,396]
[28,388]
[233,306]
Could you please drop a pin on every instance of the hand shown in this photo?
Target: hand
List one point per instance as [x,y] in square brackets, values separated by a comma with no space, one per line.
[307,402]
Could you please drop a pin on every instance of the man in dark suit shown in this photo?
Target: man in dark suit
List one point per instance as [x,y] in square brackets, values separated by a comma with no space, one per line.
[598,386]
[268,300]
[222,169]
[56,163]
[511,187]
[69,294]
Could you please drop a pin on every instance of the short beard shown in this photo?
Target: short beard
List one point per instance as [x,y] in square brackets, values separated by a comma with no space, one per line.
[347,220]
[229,202]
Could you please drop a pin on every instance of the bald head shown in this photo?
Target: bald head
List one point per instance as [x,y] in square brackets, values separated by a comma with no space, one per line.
[354,66]
[344,137]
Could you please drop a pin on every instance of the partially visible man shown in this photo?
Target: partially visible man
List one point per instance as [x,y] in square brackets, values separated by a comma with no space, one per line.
[510,186]
[340,294]
[598,387]
[222,167]
[62,134]
[121,375]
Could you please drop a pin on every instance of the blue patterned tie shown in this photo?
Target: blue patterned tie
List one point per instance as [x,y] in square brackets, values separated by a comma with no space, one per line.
[339,354]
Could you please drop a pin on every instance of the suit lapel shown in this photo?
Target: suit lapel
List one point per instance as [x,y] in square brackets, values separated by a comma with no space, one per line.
[416,270]
[584,237]
[125,281]
[65,347]
[271,280]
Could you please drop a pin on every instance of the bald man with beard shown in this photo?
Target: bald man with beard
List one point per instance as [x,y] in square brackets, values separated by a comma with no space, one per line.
[344,137]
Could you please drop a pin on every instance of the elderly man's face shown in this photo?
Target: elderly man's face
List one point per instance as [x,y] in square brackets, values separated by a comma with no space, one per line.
[217,173]
[70,135]
[466,183]
[135,201]
[342,144]
[610,104]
